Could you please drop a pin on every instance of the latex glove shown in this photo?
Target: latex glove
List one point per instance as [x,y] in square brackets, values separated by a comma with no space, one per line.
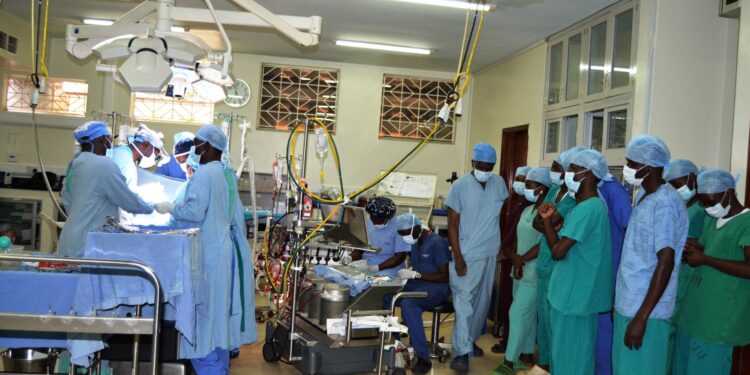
[360,265]
[373,269]
[407,274]
[165,207]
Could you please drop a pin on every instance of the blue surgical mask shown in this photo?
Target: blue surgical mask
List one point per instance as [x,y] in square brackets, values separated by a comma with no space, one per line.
[109,153]
[482,176]
[194,159]
[530,195]
[686,193]
[556,178]
[571,183]
[518,187]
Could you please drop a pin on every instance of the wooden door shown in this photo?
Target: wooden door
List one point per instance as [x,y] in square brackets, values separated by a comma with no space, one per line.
[513,150]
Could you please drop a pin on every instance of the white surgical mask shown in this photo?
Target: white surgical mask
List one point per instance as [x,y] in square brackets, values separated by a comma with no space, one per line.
[629,174]
[686,193]
[146,161]
[530,195]
[571,183]
[482,176]
[556,178]
[718,211]
[518,187]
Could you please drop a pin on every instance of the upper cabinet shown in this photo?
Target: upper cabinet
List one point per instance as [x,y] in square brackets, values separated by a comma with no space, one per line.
[593,60]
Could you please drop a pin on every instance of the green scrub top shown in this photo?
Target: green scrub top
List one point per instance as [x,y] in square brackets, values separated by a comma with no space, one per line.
[526,236]
[697,216]
[716,304]
[544,262]
[581,283]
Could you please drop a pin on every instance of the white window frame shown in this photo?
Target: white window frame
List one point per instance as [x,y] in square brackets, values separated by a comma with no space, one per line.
[43,97]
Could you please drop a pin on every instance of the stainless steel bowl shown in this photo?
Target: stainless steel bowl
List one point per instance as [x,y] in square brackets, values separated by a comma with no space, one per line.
[29,361]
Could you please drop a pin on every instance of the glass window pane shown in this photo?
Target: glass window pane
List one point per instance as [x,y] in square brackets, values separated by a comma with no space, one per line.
[573,76]
[621,49]
[555,73]
[617,128]
[597,53]
[570,126]
[553,137]
[597,131]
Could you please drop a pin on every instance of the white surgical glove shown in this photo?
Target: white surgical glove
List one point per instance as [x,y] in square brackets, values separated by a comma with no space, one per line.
[165,207]
[360,265]
[373,269]
[408,273]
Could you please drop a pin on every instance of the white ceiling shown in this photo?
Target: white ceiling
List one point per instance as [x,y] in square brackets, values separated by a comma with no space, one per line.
[514,25]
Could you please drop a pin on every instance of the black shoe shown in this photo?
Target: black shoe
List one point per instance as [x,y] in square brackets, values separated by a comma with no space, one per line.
[460,363]
[500,347]
[422,366]
[234,353]
[478,352]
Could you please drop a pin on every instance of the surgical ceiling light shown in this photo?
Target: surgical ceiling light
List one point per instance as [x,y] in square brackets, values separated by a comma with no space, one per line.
[209,91]
[97,21]
[471,5]
[382,47]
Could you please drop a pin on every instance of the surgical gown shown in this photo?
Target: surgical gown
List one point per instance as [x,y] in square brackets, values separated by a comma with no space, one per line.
[390,243]
[123,157]
[479,237]
[94,189]
[523,311]
[172,169]
[211,203]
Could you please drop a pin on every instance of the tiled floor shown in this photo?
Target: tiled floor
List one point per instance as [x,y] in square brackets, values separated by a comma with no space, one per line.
[251,358]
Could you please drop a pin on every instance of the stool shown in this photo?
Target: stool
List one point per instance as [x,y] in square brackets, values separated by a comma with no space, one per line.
[436,351]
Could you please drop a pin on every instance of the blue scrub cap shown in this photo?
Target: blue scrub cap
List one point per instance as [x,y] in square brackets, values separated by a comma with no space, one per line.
[522,171]
[715,181]
[407,221]
[182,142]
[566,156]
[680,168]
[214,136]
[540,175]
[90,131]
[484,153]
[648,150]
[381,207]
[592,160]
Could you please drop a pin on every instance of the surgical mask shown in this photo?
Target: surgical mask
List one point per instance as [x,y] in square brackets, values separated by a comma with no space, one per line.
[193,158]
[686,193]
[556,178]
[183,166]
[109,152]
[482,176]
[629,175]
[718,211]
[530,195]
[146,161]
[519,187]
[571,183]
[410,238]
[380,226]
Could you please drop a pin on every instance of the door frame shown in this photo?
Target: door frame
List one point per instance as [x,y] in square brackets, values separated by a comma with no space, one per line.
[503,142]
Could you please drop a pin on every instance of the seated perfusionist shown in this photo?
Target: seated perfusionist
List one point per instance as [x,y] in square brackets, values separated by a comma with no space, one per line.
[177,165]
[211,203]
[383,234]
[94,188]
[429,273]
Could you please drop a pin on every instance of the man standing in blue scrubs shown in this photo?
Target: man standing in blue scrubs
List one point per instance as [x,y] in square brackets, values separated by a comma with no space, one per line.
[474,203]
[177,165]
[647,279]
[429,273]
[383,234]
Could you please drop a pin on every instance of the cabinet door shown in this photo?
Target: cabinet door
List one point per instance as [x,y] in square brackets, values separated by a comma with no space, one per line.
[622,52]
[552,136]
[555,77]
[570,131]
[573,68]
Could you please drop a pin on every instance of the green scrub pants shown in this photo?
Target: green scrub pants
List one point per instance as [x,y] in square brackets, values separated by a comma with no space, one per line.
[652,358]
[544,330]
[522,317]
[573,343]
[693,356]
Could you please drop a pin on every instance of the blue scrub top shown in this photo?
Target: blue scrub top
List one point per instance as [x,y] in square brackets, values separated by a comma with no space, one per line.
[429,254]
[479,210]
[660,220]
[619,209]
[390,243]
[172,169]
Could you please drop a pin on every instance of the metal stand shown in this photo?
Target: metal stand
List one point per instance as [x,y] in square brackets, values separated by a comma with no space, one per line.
[92,324]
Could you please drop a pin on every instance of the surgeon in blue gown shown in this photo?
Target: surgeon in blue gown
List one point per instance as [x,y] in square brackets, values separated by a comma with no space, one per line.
[141,151]
[429,273]
[211,203]
[94,189]
[177,165]
[383,233]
